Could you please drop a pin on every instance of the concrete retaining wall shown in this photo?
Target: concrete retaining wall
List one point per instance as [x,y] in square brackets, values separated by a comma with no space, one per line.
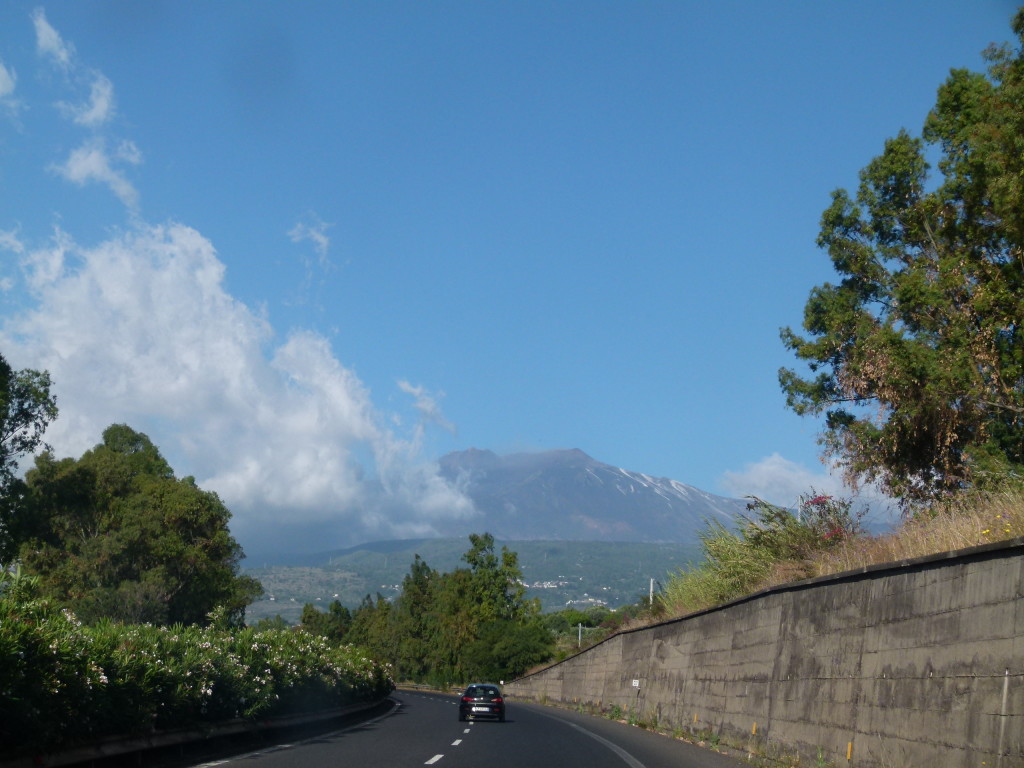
[918,663]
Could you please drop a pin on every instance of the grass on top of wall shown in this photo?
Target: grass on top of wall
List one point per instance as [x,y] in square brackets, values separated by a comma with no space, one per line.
[738,564]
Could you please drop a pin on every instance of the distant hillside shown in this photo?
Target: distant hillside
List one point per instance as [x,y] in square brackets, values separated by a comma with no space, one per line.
[569,495]
[584,530]
[556,572]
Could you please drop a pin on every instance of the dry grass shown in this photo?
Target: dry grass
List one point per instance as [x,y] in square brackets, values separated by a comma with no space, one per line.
[978,519]
[983,520]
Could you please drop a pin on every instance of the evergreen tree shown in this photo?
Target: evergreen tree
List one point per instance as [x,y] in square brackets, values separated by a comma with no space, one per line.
[371,628]
[917,354]
[414,621]
[115,535]
[26,409]
[332,624]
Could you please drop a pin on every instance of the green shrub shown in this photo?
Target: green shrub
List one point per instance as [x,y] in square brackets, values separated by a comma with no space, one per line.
[737,563]
[48,679]
[63,683]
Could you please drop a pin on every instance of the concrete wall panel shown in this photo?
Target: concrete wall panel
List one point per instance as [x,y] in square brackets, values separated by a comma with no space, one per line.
[919,663]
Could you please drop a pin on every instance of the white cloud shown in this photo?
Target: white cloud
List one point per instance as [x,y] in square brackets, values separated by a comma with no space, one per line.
[129,152]
[98,109]
[779,481]
[315,232]
[427,404]
[45,265]
[8,83]
[140,330]
[8,79]
[783,482]
[91,163]
[9,241]
[49,42]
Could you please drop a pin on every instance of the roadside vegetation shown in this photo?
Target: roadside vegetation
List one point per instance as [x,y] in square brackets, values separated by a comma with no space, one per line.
[121,600]
[776,546]
[64,683]
[473,623]
[122,604]
[914,356]
[772,546]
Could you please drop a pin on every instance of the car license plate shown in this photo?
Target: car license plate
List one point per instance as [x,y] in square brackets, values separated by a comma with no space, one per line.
[481,709]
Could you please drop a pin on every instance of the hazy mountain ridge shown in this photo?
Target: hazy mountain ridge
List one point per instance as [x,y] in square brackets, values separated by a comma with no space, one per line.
[586,533]
[568,495]
[558,573]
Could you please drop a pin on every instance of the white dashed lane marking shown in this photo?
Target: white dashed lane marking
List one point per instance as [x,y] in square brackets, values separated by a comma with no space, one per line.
[433,760]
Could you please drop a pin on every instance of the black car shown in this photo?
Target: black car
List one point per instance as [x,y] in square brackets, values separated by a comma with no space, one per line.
[481,700]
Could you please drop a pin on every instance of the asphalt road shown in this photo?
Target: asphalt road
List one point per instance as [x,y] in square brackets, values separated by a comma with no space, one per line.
[423,729]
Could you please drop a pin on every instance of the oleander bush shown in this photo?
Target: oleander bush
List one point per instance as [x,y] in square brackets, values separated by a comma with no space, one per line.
[64,683]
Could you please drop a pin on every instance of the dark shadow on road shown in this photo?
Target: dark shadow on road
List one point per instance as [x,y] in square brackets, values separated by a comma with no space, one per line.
[236,745]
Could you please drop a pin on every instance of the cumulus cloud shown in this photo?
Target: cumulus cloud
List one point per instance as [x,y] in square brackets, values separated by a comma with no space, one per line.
[49,42]
[140,330]
[92,163]
[779,481]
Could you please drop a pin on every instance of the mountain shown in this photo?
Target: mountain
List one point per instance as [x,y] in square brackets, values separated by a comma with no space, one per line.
[586,533]
[567,495]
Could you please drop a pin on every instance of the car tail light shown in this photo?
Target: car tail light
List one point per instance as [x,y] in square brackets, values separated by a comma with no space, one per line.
[467,698]
[498,700]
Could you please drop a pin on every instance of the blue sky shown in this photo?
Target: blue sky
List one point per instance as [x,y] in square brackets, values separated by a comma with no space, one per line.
[308,248]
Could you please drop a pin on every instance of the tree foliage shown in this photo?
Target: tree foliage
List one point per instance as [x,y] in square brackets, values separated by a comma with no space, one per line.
[26,408]
[917,354]
[332,624]
[115,535]
[470,623]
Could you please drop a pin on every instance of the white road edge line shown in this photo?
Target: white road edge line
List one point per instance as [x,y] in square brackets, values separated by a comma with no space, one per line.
[631,761]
